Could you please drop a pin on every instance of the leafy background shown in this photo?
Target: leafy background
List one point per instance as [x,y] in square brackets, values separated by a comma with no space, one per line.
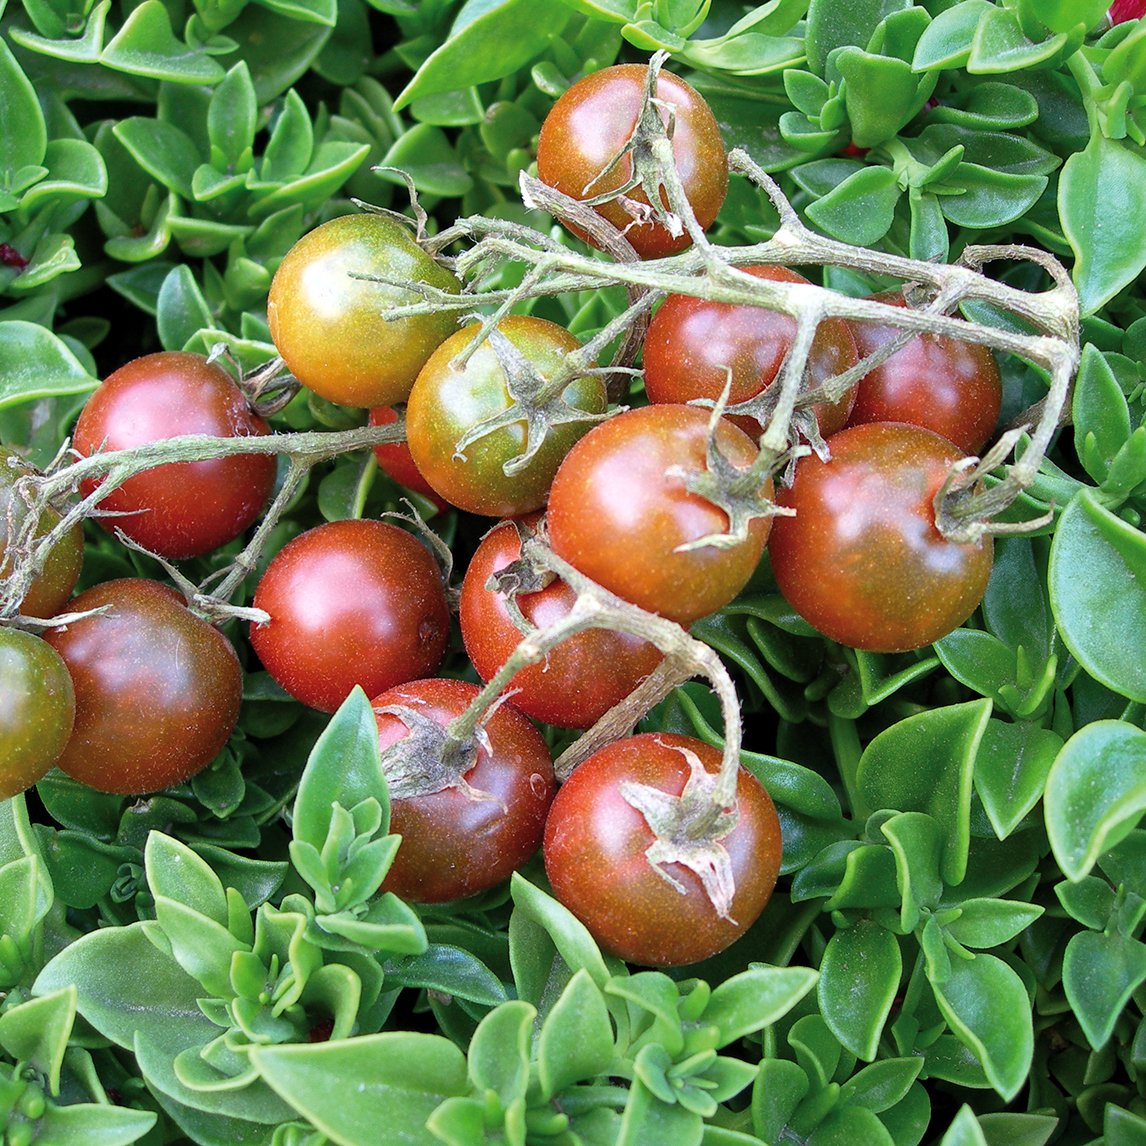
[955,950]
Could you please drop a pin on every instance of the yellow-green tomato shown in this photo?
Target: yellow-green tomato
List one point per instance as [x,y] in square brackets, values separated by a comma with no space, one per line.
[451,397]
[327,321]
[37,709]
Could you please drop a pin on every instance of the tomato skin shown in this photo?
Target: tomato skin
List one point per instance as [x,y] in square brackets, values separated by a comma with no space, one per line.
[582,678]
[157,689]
[617,515]
[939,383]
[350,602]
[51,588]
[181,509]
[37,709]
[593,120]
[862,559]
[328,324]
[448,400]
[595,843]
[454,845]
[396,462]
[691,341]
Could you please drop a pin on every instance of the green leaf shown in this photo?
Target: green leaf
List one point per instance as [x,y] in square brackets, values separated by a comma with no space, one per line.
[648,1120]
[986,1005]
[859,979]
[76,170]
[978,660]
[23,132]
[780,1087]
[147,46]
[1097,582]
[1100,412]
[36,1032]
[570,936]
[834,25]
[451,970]
[1011,769]
[925,763]
[882,1085]
[232,117]
[754,999]
[175,872]
[426,154]
[1000,45]
[991,198]
[167,153]
[881,94]
[1101,198]
[986,923]
[946,41]
[1095,794]
[35,363]
[861,209]
[1099,974]
[964,1130]
[490,39]
[94,1124]
[351,1089]
[499,1051]
[576,1041]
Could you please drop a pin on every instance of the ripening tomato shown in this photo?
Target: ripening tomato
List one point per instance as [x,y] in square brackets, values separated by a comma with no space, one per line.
[692,344]
[157,688]
[581,679]
[939,383]
[862,559]
[462,840]
[591,123]
[37,709]
[350,602]
[619,512]
[327,320]
[396,462]
[181,509]
[449,399]
[595,845]
[51,588]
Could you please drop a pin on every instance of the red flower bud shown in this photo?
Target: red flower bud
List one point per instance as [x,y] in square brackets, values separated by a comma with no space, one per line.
[1122,10]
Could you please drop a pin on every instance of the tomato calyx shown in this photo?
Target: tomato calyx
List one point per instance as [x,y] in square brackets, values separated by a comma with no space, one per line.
[432,758]
[688,830]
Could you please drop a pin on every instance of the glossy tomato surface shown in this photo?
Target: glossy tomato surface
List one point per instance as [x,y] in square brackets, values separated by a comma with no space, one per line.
[582,678]
[862,559]
[450,398]
[37,709]
[350,602]
[456,843]
[619,510]
[395,460]
[51,588]
[595,844]
[157,689]
[939,383]
[588,127]
[328,323]
[181,509]
[692,344]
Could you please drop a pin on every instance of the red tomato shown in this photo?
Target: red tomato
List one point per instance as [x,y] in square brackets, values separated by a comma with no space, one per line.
[327,321]
[449,399]
[51,588]
[589,126]
[939,383]
[396,462]
[691,345]
[862,560]
[350,602]
[37,709]
[180,509]
[582,678]
[595,844]
[456,842]
[618,512]
[157,689]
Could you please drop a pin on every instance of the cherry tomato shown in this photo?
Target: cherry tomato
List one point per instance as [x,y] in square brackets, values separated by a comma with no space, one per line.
[350,602]
[456,842]
[327,322]
[396,462]
[619,511]
[51,588]
[862,560]
[582,678]
[939,383]
[37,709]
[595,845]
[692,343]
[157,689]
[181,509]
[591,123]
[449,399]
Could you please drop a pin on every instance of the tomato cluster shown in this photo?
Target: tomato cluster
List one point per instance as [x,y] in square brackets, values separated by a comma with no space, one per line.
[665,506]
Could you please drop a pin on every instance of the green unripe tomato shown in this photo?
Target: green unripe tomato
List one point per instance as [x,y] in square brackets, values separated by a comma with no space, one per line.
[328,324]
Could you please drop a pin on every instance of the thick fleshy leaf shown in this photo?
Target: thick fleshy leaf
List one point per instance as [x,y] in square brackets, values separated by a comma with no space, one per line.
[754,999]
[499,1051]
[35,363]
[1096,793]
[1011,769]
[146,45]
[859,979]
[570,936]
[576,1041]
[1099,974]
[23,132]
[859,210]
